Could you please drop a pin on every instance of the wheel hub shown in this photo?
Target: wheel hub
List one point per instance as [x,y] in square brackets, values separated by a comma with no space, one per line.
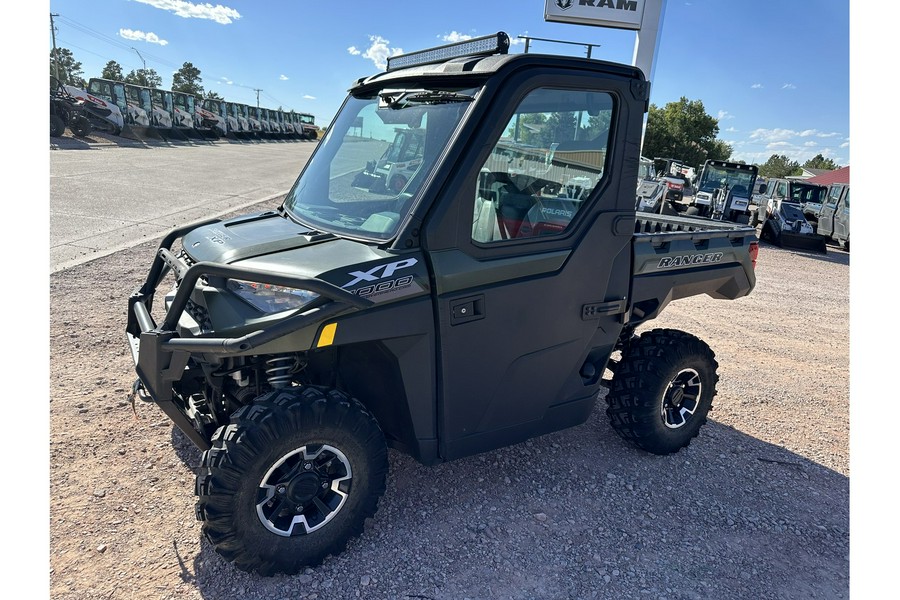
[303,490]
[676,396]
[681,398]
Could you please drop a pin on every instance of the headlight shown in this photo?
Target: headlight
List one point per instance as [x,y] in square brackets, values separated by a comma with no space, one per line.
[270,298]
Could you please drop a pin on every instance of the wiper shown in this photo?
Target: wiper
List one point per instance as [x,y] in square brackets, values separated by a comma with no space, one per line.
[396,100]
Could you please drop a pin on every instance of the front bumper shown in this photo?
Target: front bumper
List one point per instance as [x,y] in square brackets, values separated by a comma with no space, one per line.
[161,352]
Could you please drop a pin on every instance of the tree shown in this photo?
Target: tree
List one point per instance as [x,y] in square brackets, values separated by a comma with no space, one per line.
[145,77]
[113,71]
[779,165]
[820,162]
[187,79]
[684,131]
[543,129]
[63,62]
[211,95]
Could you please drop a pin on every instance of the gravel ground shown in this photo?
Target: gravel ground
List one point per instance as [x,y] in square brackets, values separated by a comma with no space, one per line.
[756,507]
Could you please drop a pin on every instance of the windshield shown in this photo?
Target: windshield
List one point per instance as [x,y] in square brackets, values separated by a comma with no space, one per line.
[739,182]
[802,193]
[371,165]
[645,170]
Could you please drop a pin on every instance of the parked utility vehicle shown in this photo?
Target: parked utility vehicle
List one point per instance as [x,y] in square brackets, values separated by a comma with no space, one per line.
[464,312]
[834,215]
[785,225]
[104,105]
[66,111]
[724,190]
[211,113]
[672,174]
[401,159]
[808,196]
[308,126]
[238,125]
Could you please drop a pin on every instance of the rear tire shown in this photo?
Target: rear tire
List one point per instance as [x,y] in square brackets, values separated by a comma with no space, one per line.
[291,479]
[662,390]
[57,126]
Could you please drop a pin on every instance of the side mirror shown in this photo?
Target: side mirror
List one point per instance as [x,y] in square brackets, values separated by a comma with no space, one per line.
[762,188]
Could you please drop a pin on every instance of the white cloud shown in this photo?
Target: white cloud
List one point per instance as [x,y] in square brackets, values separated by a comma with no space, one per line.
[379,51]
[789,86]
[138,35]
[731,130]
[756,86]
[189,10]
[772,135]
[724,114]
[354,51]
[798,146]
[308,97]
[283,77]
[455,36]
[226,81]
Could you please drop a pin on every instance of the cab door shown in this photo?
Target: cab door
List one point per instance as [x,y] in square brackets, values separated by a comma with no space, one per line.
[826,221]
[530,253]
[842,217]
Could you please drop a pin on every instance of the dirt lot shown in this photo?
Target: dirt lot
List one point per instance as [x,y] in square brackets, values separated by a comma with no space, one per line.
[756,507]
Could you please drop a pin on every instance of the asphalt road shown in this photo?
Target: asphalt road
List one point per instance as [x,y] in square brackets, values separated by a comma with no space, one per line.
[139,191]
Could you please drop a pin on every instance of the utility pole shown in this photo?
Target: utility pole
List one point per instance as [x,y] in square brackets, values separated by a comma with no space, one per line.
[55,53]
[257,96]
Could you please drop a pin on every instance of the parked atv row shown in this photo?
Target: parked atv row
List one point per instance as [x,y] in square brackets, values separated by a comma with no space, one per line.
[139,112]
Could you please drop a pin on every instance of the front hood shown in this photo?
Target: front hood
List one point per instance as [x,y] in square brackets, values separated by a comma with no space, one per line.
[273,243]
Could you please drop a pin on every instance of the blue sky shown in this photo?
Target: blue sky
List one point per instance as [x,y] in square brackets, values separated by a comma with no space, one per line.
[775,73]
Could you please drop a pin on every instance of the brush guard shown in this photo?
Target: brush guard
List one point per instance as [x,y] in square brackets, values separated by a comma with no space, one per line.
[161,355]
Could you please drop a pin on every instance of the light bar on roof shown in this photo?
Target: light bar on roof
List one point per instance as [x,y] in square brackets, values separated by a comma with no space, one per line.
[497,43]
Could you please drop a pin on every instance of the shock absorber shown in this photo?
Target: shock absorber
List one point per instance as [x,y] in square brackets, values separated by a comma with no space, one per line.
[279,369]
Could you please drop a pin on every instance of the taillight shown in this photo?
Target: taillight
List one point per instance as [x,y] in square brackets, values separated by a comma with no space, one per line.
[754,252]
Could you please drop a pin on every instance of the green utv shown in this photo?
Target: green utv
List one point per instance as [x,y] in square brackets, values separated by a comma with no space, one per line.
[476,306]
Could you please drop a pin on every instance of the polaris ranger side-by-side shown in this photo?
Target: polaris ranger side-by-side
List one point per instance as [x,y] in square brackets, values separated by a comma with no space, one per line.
[482,303]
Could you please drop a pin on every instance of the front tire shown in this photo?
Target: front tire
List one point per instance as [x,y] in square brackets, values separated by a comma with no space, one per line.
[662,390]
[291,479]
[81,126]
[768,234]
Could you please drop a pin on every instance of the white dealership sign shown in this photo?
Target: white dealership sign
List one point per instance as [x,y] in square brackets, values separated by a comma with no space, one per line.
[618,14]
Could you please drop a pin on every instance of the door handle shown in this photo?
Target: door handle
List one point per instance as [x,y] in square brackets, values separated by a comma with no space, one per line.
[467,309]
